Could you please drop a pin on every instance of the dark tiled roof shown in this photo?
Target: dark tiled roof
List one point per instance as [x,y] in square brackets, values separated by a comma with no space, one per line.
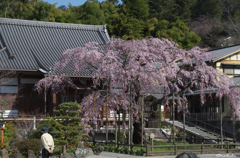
[220,52]
[36,45]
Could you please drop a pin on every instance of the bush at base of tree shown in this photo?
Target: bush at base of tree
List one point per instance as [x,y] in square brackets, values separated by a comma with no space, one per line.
[29,144]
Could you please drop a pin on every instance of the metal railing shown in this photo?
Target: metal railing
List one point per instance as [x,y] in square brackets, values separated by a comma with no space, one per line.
[206,126]
[211,116]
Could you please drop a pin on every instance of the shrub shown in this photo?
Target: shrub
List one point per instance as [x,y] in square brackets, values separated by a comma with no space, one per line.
[110,149]
[116,150]
[121,136]
[125,150]
[71,150]
[29,144]
[9,133]
[131,152]
[139,152]
[57,151]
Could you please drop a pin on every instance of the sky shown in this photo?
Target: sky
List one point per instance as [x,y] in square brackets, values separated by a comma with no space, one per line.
[65,2]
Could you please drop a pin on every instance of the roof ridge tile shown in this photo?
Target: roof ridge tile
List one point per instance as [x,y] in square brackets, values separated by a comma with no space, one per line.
[53,24]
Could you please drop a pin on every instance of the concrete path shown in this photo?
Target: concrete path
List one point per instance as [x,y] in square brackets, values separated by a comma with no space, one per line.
[117,155]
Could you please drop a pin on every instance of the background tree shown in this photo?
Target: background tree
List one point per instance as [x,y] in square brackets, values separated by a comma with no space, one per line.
[210,8]
[91,13]
[178,32]
[41,11]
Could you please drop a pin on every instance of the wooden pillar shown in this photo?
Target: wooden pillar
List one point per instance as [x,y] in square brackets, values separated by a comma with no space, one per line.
[54,102]
[2,128]
[2,137]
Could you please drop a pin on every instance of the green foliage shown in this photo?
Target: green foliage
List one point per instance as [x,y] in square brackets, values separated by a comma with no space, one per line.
[137,8]
[29,144]
[86,138]
[3,103]
[71,150]
[9,133]
[121,136]
[159,115]
[139,152]
[116,150]
[41,11]
[125,150]
[131,152]
[178,32]
[57,151]
[110,148]
[66,124]
[210,8]
[91,13]
[36,134]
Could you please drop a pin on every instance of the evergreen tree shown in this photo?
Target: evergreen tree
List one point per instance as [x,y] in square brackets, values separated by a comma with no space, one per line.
[41,11]
[91,13]
[137,8]
[67,127]
[178,32]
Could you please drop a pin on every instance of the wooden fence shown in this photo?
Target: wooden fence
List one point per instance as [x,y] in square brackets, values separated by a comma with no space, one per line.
[202,150]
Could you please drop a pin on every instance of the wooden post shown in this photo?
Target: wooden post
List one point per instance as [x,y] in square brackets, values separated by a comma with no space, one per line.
[64,148]
[131,117]
[45,101]
[34,123]
[173,118]
[2,128]
[54,103]
[227,146]
[202,147]
[116,133]
[220,104]
[147,150]
[152,143]
[142,121]
[118,128]
[175,149]
[124,121]
[234,125]
[2,137]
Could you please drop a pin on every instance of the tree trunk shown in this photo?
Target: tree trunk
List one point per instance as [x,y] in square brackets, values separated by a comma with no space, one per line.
[137,134]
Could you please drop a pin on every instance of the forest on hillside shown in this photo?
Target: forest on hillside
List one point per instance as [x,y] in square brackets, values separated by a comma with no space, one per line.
[206,23]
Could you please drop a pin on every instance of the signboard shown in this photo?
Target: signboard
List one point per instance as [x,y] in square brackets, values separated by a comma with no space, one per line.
[152,135]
